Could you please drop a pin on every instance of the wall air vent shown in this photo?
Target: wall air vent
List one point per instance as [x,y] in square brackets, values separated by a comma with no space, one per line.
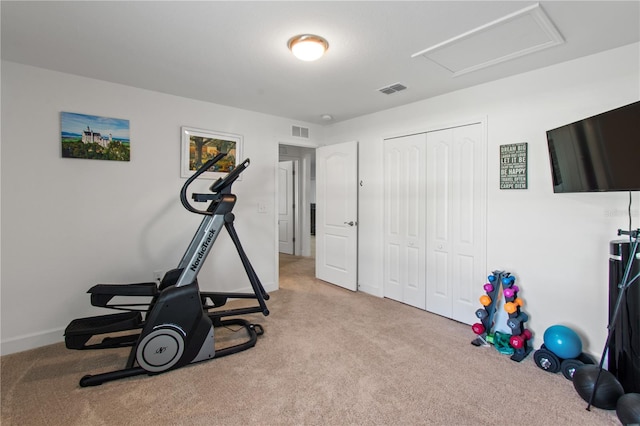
[387,90]
[300,132]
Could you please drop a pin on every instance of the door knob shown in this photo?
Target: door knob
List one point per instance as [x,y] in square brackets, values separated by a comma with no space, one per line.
[350,223]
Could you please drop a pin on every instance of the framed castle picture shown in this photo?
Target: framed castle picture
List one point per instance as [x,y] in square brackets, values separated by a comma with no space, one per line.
[94,138]
[198,146]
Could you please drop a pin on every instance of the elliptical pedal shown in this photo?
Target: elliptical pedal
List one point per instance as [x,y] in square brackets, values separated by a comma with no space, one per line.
[101,294]
[80,330]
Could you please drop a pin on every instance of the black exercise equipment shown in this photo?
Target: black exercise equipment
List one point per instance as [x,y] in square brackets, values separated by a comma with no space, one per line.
[605,395]
[592,381]
[628,409]
[178,324]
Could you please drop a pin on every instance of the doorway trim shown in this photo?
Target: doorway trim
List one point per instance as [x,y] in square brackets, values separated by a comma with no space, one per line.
[291,210]
[301,212]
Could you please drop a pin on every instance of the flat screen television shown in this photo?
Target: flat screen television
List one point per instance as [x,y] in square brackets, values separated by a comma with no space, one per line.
[599,153]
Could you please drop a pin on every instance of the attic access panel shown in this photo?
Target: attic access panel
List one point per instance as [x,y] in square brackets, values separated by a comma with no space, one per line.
[520,33]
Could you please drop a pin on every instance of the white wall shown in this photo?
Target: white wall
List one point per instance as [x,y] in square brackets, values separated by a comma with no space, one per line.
[556,245]
[68,224]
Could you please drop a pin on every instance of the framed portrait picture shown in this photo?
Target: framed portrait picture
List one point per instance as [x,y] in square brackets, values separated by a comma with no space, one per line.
[199,145]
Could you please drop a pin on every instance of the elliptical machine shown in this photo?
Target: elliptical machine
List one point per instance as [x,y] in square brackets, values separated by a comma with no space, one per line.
[178,327]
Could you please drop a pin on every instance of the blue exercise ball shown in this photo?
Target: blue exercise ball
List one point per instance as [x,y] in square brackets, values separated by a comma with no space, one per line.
[563,341]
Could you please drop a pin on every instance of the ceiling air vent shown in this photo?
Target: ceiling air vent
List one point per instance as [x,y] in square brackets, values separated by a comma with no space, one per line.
[387,90]
[300,132]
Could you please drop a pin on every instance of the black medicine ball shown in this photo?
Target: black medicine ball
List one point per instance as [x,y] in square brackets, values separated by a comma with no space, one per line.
[608,391]
[628,409]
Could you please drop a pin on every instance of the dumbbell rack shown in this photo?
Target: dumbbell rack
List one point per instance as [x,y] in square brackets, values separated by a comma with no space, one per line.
[520,336]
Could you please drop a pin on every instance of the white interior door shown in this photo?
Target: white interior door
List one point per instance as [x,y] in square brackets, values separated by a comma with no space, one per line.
[404,223]
[337,214]
[456,217]
[286,207]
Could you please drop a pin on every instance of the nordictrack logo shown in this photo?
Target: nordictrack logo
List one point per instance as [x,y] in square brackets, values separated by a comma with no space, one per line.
[203,250]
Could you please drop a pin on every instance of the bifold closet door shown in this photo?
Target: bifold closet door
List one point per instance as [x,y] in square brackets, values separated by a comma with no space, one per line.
[456,217]
[404,219]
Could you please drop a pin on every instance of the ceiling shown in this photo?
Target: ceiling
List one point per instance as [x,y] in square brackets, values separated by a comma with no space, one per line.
[235,53]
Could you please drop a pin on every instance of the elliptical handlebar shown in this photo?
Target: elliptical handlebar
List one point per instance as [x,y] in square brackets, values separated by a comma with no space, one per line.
[631,233]
[183,192]
[225,182]
[222,185]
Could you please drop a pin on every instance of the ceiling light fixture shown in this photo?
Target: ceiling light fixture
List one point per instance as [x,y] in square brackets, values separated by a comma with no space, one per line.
[307,47]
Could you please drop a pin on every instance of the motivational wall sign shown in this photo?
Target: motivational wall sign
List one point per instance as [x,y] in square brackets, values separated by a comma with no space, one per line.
[513,166]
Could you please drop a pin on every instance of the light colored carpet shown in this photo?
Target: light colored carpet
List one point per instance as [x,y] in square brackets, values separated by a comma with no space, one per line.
[328,357]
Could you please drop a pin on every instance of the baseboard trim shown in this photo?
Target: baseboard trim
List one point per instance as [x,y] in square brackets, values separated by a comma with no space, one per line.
[49,337]
[369,289]
[31,341]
